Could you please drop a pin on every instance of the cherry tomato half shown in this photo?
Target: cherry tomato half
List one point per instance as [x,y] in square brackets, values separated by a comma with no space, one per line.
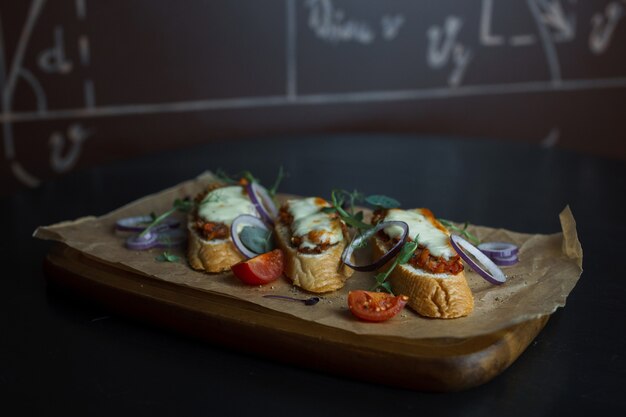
[261,269]
[375,306]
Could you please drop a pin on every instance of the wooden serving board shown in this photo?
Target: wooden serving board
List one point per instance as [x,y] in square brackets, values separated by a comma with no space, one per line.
[423,364]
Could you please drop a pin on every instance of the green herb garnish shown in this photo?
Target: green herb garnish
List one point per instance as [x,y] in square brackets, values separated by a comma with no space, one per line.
[248,176]
[403,257]
[224,177]
[343,203]
[167,257]
[279,178]
[338,198]
[382,201]
[352,219]
[184,206]
[234,179]
[257,239]
[462,231]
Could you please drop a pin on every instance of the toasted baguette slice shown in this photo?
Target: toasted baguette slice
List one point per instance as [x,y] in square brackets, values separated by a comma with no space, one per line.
[317,273]
[211,255]
[216,255]
[443,296]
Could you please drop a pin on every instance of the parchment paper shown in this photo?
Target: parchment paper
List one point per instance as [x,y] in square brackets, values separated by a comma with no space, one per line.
[549,267]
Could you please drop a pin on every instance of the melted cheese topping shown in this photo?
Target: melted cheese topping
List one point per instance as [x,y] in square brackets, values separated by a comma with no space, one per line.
[223,204]
[312,225]
[428,230]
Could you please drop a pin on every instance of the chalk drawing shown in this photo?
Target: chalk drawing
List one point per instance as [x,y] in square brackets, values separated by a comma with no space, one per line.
[441,41]
[291,55]
[331,24]
[553,16]
[316,99]
[81,9]
[83,50]
[62,159]
[603,27]
[548,45]
[53,60]
[552,138]
[90,94]
[391,25]
[487,38]
[35,85]
[444,47]
[461,57]
[522,40]
[14,73]
[445,50]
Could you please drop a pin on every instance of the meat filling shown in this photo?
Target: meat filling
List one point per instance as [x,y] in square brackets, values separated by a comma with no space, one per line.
[286,218]
[211,230]
[422,258]
[208,230]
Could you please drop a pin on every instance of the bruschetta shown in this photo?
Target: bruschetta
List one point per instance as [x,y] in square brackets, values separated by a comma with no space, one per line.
[313,241]
[433,279]
[210,247]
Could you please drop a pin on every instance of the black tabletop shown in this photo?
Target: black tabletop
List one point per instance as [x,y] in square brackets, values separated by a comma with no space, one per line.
[61,354]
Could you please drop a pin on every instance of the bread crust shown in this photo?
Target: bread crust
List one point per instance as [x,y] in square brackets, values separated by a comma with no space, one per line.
[443,296]
[318,273]
[212,256]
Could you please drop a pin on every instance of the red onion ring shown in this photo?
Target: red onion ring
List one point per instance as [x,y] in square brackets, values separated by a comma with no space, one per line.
[359,239]
[494,275]
[142,242]
[498,249]
[262,202]
[139,223]
[245,219]
[508,261]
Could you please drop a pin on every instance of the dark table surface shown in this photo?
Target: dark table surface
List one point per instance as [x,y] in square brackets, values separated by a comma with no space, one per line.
[64,355]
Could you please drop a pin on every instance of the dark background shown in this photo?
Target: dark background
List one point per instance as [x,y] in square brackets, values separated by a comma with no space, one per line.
[64,355]
[168,74]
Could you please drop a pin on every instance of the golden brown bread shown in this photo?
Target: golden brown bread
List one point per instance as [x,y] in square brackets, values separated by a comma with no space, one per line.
[317,273]
[211,256]
[431,295]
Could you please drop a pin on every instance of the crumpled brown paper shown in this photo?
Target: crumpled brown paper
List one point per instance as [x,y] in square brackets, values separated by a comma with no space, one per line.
[549,267]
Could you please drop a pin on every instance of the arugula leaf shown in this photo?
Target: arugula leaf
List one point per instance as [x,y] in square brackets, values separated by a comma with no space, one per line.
[407,251]
[257,239]
[343,202]
[403,257]
[382,201]
[351,220]
[354,220]
[167,257]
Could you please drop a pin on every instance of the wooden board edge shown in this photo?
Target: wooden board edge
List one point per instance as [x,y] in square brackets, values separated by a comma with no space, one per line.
[456,365]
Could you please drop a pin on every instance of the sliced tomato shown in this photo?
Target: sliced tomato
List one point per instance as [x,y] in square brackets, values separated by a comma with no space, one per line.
[261,269]
[375,306]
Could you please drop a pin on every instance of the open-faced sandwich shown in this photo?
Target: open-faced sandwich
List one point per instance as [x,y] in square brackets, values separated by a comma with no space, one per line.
[433,279]
[313,240]
[210,247]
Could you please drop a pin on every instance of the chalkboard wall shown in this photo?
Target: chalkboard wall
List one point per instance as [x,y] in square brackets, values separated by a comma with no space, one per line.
[87,81]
